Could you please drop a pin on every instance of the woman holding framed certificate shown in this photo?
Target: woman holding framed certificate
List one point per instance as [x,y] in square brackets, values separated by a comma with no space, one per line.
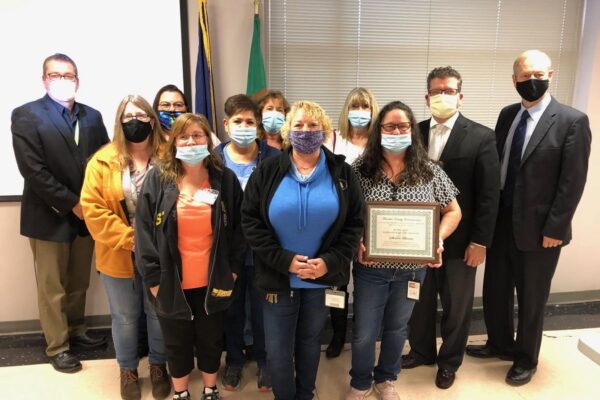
[395,176]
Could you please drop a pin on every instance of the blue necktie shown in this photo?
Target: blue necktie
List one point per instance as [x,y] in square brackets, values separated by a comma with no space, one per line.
[514,160]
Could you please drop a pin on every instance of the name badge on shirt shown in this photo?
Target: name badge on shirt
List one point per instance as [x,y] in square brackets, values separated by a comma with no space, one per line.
[208,196]
[335,298]
[414,287]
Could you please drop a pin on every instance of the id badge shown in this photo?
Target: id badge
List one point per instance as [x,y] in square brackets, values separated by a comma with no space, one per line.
[335,298]
[208,196]
[414,287]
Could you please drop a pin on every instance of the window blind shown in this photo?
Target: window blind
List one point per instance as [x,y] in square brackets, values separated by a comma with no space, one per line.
[319,50]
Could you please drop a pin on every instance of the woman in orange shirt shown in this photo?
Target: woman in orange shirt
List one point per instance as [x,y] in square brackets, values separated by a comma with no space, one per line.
[190,249]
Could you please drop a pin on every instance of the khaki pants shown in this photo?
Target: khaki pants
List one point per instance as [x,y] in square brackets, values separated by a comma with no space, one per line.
[62,272]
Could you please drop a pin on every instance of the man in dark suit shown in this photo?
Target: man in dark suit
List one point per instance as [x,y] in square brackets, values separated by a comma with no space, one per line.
[467,151]
[544,148]
[52,138]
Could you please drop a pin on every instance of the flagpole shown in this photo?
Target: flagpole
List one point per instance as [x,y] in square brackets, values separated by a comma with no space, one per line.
[256,6]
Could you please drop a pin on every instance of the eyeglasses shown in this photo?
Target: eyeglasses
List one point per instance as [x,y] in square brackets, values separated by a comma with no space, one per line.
[54,76]
[196,137]
[402,127]
[178,105]
[449,92]
[140,117]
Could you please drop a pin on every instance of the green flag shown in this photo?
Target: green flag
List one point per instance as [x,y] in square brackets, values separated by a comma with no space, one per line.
[257,82]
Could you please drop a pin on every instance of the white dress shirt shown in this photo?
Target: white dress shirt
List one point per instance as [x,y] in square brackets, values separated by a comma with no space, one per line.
[535,113]
[438,136]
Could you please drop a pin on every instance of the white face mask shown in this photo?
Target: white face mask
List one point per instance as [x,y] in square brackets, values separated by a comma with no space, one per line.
[62,90]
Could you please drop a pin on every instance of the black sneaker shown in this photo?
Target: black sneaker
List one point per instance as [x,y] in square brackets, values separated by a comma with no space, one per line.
[263,380]
[232,378]
[210,394]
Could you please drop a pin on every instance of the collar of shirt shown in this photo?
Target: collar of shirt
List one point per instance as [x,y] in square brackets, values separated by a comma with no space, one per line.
[62,109]
[449,124]
[535,112]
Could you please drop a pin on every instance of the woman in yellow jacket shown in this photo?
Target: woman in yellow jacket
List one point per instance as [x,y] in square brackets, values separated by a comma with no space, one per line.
[113,180]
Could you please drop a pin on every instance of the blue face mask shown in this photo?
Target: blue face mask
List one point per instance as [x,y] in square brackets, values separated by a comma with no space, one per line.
[272,121]
[396,143]
[192,155]
[359,118]
[243,137]
[167,118]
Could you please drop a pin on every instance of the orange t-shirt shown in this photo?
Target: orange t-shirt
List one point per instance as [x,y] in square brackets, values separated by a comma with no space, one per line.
[194,230]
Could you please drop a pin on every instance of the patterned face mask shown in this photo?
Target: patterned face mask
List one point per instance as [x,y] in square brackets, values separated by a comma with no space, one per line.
[306,142]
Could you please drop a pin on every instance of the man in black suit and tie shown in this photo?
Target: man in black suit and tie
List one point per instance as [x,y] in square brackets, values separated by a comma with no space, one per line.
[544,148]
[52,138]
[467,151]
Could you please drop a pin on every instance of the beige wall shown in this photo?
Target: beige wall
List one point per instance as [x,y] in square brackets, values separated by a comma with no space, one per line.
[231,30]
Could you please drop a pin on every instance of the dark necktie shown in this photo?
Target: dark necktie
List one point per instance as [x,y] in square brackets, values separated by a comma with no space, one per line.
[514,160]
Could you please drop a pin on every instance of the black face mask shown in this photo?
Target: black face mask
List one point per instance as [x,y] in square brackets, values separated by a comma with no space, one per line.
[136,131]
[532,89]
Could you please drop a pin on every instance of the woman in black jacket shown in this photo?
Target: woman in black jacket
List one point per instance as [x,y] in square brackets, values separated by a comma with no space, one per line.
[303,217]
[190,248]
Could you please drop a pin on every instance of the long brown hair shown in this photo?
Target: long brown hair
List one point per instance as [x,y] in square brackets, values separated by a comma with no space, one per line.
[171,169]
[417,167]
[156,138]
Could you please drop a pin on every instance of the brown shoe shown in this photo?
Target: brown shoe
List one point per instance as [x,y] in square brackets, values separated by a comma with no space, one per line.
[161,384]
[130,385]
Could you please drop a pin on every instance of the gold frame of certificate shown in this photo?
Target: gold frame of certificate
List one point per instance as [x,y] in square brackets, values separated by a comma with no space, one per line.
[404,232]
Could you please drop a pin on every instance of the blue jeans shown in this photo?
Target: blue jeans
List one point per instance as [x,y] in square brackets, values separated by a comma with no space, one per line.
[125,297]
[236,320]
[293,328]
[380,299]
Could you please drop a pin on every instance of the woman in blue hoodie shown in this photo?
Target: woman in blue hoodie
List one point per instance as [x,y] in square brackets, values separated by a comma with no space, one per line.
[302,216]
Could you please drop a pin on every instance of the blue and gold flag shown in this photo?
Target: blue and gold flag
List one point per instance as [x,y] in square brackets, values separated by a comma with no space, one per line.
[205,94]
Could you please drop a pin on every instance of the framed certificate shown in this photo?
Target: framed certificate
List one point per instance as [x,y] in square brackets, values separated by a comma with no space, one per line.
[402,232]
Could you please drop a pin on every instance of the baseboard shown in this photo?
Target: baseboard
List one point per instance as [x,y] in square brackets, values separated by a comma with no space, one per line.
[561,302]
[33,325]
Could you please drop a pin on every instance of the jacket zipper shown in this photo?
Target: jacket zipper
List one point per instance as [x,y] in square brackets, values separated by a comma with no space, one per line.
[215,246]
[179,276]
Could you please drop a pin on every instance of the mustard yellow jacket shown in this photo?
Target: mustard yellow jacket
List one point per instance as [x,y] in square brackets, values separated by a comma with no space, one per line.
[103,205]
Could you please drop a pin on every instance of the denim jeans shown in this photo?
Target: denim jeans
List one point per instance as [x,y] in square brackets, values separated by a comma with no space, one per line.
[293,326]
[380,302]
[236,320]
[125,296]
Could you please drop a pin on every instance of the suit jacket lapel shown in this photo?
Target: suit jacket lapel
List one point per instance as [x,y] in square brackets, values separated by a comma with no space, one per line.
[457,135]
[425,132]
[81,123]
[503,127]
[61,126]
[541,129]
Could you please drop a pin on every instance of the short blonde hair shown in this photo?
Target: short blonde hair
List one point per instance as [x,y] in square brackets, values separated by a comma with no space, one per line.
[313,111]
[359,94]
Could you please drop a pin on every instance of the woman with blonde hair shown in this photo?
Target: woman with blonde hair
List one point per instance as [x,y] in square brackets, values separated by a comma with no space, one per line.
[113,181]
[303,217]
[360,108]
[350,139]
[190,249]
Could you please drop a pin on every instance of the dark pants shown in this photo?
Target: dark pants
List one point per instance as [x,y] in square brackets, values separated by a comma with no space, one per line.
[293,326]
[236,319]
[339,318]
[455,283]
[530,272]
[202,337]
